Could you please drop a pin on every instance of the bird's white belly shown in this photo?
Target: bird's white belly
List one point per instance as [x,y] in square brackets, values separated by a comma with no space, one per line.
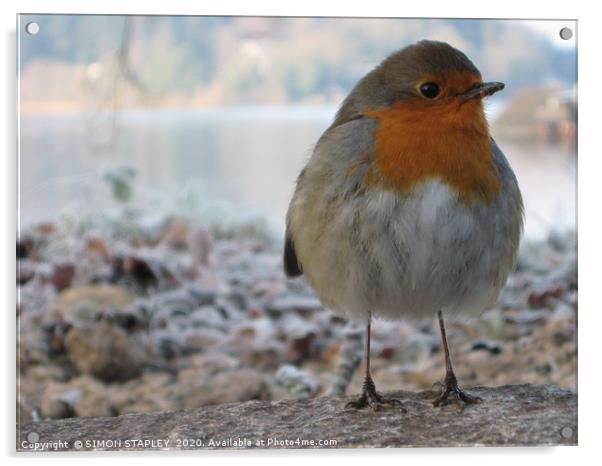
[406,258]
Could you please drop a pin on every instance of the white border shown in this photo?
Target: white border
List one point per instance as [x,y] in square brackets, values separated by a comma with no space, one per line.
[590,89]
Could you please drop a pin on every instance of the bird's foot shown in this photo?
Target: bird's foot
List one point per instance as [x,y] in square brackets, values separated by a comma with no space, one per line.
[450,387]
[370,398]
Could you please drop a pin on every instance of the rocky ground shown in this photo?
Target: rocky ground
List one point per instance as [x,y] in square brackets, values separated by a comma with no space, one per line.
[510,415]
[154,314]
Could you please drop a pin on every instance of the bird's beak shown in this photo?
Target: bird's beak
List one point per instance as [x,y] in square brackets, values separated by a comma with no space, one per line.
[482,90]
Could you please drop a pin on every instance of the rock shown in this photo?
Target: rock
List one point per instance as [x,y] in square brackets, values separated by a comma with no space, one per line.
[266,356]
[33,382]
[34,348]
[493,347]
[301,335]
[296,382]
[202,296]
[25,247]
[199,389]
[510,415]
[163,306]
[258,345]
[200,245]
[268,289]
[150,392]
[344,358]
[211,362]
[165,344]
[199,339]
[138,273]
[525,318]
[62,276]
[26,270]
[175,234]
[208,317]
[85,304]
[82,396]
[543,293]
[292,303]
[95,247]
[301,349]
[105,351]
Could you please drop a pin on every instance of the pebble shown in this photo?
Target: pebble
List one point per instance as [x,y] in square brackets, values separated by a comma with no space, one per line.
[492,347]
[81,396]
[106,351]
[196,389]
[292,303]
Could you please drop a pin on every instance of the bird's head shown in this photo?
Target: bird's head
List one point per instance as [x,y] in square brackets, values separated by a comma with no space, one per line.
[429,79]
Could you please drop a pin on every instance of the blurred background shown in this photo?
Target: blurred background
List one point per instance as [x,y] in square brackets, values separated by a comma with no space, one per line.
[229,108]
[157,156]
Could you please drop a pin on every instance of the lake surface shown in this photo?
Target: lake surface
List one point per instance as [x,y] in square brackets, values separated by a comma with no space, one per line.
[237,163]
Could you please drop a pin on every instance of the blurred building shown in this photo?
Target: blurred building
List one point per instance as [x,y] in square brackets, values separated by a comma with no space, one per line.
[543,115]
[557,118]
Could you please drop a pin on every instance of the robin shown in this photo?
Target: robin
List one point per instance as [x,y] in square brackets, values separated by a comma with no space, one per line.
[407,207]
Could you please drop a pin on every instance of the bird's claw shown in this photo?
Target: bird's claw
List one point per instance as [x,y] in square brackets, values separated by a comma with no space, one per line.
[374,401]
[370,398]
[450,387]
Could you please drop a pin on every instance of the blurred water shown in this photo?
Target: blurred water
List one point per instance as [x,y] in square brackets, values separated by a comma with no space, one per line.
[239,162]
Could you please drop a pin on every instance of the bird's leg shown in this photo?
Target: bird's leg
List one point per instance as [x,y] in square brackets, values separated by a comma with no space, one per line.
[370,397]
[450,384]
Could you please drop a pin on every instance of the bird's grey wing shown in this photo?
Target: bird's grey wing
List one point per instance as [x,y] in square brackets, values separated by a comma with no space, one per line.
[292,268]
[337,145]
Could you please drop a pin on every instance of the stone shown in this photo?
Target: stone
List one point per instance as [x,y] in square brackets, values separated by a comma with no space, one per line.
[33,382]
[150,392]
[510,415]
[165,344]
[544,293]
[264,356]
[162,306]
[301,336]
[200,244]
[82,396]
[492,347]
[258,344]
[210,362]
[175,234]
[140,274]
[26,270]
[208,316]
[62,276]
[199,389]
[199,339]
[105,351]
[95,247]
[25,247]
[87,304]
[293,303]
[296,382]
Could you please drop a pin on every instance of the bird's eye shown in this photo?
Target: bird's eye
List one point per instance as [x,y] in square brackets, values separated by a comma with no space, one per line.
[429,90]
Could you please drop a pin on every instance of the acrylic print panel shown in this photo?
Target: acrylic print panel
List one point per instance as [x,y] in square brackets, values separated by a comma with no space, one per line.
[157,159]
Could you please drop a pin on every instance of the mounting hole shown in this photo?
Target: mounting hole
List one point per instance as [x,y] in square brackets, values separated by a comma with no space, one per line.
[566,33]
[566,432]
[32,28]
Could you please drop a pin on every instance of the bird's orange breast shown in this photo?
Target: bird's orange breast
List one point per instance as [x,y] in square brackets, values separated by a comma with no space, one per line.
[414,142]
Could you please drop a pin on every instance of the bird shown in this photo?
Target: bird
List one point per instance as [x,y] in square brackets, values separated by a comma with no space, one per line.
[407,208]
